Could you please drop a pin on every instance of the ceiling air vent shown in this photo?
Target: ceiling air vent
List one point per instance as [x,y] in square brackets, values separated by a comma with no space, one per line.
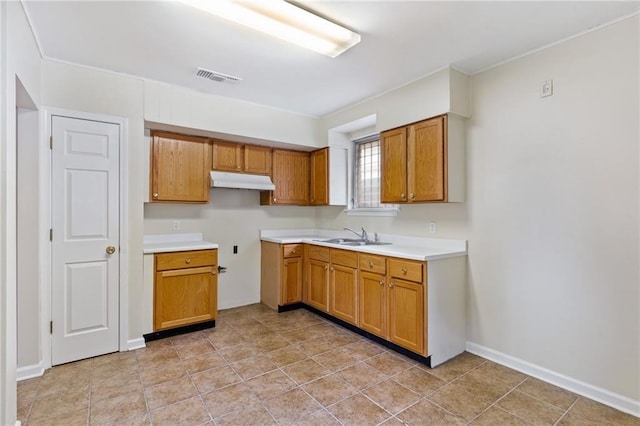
[217,76]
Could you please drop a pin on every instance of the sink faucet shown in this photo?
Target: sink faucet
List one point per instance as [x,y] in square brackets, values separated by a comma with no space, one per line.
[364,236]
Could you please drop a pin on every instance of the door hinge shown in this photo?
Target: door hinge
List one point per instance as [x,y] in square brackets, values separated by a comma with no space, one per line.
[50,234]
[50,327]
[50,142]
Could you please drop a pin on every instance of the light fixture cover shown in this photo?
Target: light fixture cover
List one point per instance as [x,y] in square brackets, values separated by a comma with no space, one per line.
[284,20]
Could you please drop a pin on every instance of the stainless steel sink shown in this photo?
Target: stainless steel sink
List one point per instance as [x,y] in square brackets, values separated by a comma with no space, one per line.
[352,242]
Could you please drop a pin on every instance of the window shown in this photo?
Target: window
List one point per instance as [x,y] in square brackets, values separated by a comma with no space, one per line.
[366,189]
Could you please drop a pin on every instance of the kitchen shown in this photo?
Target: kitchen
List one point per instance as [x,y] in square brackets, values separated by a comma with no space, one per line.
[520,200]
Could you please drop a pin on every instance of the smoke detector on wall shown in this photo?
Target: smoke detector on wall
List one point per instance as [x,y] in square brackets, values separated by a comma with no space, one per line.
[217,76]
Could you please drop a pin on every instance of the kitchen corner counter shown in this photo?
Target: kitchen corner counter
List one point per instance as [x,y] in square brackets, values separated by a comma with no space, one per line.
[163,243]
[414,248]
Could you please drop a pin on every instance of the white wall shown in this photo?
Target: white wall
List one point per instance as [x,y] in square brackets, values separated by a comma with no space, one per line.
[232,217]
[20,60]
[553,209]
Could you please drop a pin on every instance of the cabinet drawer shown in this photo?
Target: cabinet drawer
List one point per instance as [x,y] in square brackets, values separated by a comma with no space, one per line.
[318,253]
[292,250]
[407,270]
[186,259]
[344,258]
[371,263]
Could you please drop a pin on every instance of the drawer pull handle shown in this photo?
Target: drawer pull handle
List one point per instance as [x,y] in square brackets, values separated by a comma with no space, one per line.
[404,271]
[155,195]
[370,264]
[293,251]
[390,284]
[188,260]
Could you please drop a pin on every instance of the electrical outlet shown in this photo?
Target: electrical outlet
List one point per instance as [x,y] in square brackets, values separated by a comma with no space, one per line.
[546,88]
[176,225]
[432,227]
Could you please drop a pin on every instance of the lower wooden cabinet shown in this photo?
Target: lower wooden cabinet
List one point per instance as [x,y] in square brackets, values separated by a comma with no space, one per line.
[317,294]
[406,315]
[281,274]
[373,303]
[185,288]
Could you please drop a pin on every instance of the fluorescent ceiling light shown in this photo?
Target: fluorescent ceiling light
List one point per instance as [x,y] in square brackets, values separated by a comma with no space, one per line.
[285,21]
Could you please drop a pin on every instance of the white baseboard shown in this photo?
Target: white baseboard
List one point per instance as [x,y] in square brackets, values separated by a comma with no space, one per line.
[617,401]
[29,371]
[136,343]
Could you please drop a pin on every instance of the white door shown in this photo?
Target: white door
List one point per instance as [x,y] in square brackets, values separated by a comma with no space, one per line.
[85,243]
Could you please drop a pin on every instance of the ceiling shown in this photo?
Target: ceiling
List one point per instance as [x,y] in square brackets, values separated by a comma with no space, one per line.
[402,41]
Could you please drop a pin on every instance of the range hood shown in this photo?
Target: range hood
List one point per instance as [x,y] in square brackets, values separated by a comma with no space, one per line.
[241,181]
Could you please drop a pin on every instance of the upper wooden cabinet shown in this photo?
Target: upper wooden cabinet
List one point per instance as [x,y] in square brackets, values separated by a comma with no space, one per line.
[235,157]
[423,162]
[291,178]
[180,168]
[319,177]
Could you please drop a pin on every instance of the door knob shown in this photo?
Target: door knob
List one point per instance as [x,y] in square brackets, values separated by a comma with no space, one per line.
[110,250]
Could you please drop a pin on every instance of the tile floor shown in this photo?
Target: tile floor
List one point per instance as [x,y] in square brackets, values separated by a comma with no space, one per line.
[260,368]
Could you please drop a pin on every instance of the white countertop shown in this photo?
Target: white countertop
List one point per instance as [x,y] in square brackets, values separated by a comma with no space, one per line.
[162,243]
[423,249]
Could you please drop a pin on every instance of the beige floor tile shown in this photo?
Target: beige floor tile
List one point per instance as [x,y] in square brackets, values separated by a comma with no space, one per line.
[148,356]
[203,362]
[485,387]
[458,401]
[125,357]
[23,410]
[363,349]
[419,381]
[548,393]
[283,326]
[316,346]
[336,360]
[290,406]
[496,416]
[255,415]
[388,363]
[319,418]
[119,407]
[216,378]
[358,410]
[162,373]
[267,344]
[188,412]
[340,339]
[502,373]
[329,390]
[600,413]
[74,418]
[186,338]
[391,396]
[252,367]
[238,352]
[114,386]
[134,419]
[226,339]
[169,392]
[299,335]
[53,388]
[128,367]
[572,420]
[229,399]
[257,332]
[270,384]
[530,409]
[426,413]
[321,329]
[27,389]
[362,375]
[286,356]
[305,371]
[456,367]
[193,348]
[65,401]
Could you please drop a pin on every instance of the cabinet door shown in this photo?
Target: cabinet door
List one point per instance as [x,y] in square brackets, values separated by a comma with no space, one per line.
[373,303]
[393,166]
[426,174]
[227,156]
[291,289]
[318,284]
[185,296]
[180,168]
[407,315]
[257,160]
[291,178]
[343,291]
[319,177]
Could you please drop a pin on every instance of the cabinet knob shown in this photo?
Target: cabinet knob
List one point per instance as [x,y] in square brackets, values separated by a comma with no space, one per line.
[326,268]
[370,264]
[390,284]
[187,260]
[293,251]
[381,282]
[275,199]
[333,269]
[412,195]
[155,195]
[403,195]
[237,167]
[404,271]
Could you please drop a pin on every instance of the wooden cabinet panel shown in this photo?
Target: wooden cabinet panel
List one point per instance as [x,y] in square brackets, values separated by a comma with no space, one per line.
[426,166]
[319,177]
[343,291]
[290,175]
[406,269]
[292,250]
[407,315]
[291,290]
[180,168]
[372,263]
[393,166]
[257,160]
[186,259]
[345,258]
[318,284]
[318,253]
[227,156]
[372,315]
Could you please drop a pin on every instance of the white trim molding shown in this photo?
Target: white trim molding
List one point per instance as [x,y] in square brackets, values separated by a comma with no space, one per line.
[29,371]
[612,399]
[138,343]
